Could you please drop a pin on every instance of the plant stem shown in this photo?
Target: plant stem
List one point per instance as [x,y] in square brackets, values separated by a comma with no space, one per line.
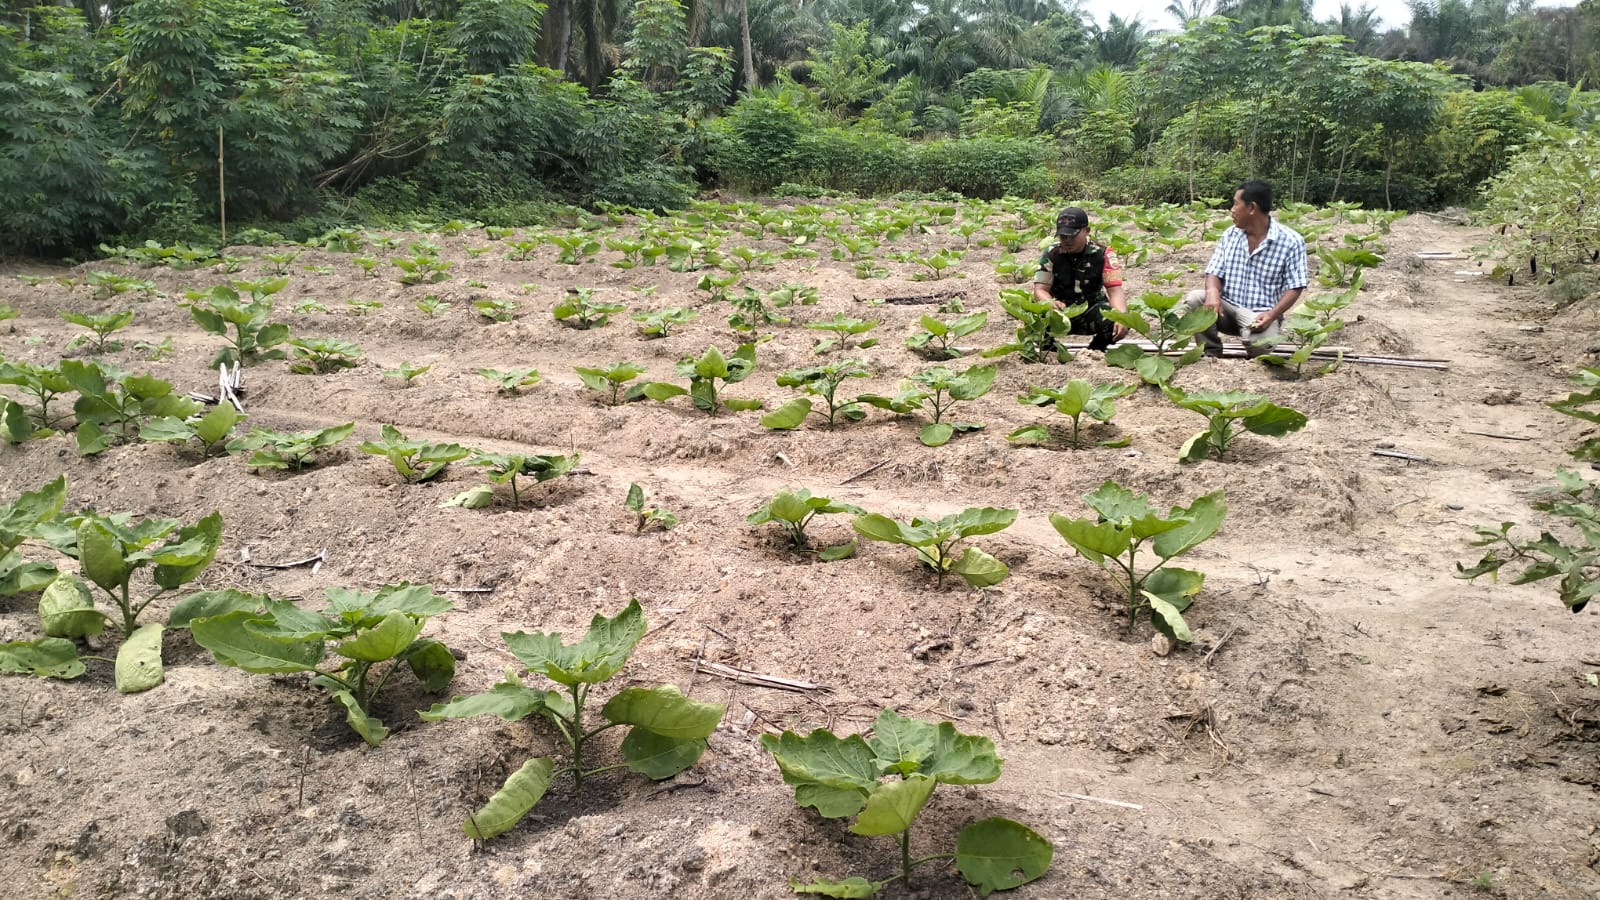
[577,737]
[516,501]
[605,769]
[129,616]
[905,856]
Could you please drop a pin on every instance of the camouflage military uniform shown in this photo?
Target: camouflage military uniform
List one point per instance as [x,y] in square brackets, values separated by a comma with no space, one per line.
[1083,278]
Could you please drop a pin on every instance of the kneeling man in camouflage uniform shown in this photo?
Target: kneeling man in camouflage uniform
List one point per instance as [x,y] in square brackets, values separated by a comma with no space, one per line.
[1078,270]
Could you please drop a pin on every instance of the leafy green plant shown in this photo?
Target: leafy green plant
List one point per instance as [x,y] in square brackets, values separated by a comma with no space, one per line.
[939,264]
[1076,399]
[109,284]
[100,326]
[44,384]
[368,265]
[1125,525]
[842,777]
[746,259]
[793,294]
[580,310]
[869,268]
[574,249]
[1222,409]
[372,636]
[1312,322]
[1039,325]
[431,305]
[843,328]
[1343,266]
[287,449]
[415,461]
[512,381]
[935,541]
[109,399]
[1575,561]
[211,429]
[19,521]
[1159,319]
[667,733]
[358,307]
[254,338]
[319,356]
[406,372]
[794,510]
[709,374]
[279,263]
[608,381]
[506,468]
[935,391]
[717,284]
[523,250]
[1015,268]
[752,312]
[933,341]
[646,516]
[659,323]
[818,381]
[495,309]
[422,269]
[309,306]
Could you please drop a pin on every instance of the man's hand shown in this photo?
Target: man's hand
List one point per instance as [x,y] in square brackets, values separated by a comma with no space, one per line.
[1262,321]
[1118,332]
[1214,303]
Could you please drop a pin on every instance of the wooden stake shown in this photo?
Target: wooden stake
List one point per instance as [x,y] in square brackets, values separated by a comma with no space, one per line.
[222,191]
[1503,437]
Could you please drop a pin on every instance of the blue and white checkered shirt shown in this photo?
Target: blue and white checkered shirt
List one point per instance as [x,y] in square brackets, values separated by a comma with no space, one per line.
[1256,280]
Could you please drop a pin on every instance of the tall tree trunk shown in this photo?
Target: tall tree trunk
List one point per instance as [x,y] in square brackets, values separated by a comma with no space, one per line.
[744,45]
[563,48]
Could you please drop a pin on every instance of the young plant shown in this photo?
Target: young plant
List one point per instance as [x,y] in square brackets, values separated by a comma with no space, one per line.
[354,307]
[717,284]
[745,259]
[44,384]
[109,399]
[254,337]
[1126,523]
[1159,319]
[431,305]
[512,381]
[415,461]
[936,391]
[1015,268]
[1344,266]
[369,265]
[580,310]
[111,551]
[646,516]
[1253,412]
[101,326]
[794,510]
[211,429]
[1312,322]
[709,374]
[1039,325]
[109,284]
[843,328]
[609,381]
[406,372]
[505,468]
[659,323]
[575,249]
[286,450]
[319,356]
[935,541]
[933,342]
[1078,398]
[938,264]
[371,636]
[667,734]
[793,294]
[842,777]
[752,312]
[1575,561]
[494,309]
[422,269]
[818,381]
[20,520]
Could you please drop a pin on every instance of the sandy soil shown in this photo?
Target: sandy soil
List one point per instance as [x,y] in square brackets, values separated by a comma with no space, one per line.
[1350,720]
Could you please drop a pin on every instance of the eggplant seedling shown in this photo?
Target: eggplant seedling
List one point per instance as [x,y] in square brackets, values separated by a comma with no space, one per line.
[1039,326]
[1126,523]
[580,310]
[211,429]
[287,449]
[19,521]
[319,356]
[646,516]
[887,779]
[415,461]
[608,381]
[254,337]
[794,510]
[843,328]
[44,384]
[935,541]
[1253,412]
[667,733]
[1078,398]
[659,323]
[406,372]
[371,636]
[937,390]
[505,468]
[512,381]
[109,399]
[933,341]
[709,374]
[1161,320]
[101,326]
[1574,561]
[818,381]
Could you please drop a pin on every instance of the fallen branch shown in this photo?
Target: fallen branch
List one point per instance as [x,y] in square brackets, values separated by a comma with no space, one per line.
[467,590]
[1206,661]
[320,558]
[916,298]
[776,682]
[981,662]
[1503,437]
[1085,797]
[1395,454]
[865,472]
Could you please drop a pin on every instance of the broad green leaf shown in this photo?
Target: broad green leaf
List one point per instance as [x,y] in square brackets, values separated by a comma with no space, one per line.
[742,405]
[1174,585]
[385,640]
[1030,434]
[900,743]
[522,791]
[413,599]
[661,390]
[853,888]
[1124,356]
[101,555]
[432,663]
[17,576]
[657,756]
[979,569]
[664,710]
[233,644]
[91,440]
[635,499]
[936,434]
[837,552]
[67,611]
[1274,421]
[1155,369]
[1196,448]
[189,554]
[1116,503]
[877,527]
[1094,541]
[49,657]
[369,727]
[1168,619]
[893,805]
[476,497]
[215,425]
[999,854]
[510,700]
[1205,516]
[163,429]
[284,621]
[822,759]
[978,521]
[139,660]
[208,604]
[599,655]
[960,758]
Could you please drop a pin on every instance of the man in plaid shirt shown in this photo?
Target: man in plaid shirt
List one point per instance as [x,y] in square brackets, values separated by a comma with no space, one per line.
[1255,275]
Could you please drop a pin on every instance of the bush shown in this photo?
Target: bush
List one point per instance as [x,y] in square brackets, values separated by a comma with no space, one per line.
[655,186]
[984,167]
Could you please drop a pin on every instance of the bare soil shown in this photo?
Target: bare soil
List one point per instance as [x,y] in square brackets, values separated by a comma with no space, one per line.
[1351,720]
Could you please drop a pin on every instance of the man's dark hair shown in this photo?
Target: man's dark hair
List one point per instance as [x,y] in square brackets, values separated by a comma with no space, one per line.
[1257,192]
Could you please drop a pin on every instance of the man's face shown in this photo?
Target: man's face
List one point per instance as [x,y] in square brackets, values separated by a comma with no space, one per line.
[1243,213]
[1074,243]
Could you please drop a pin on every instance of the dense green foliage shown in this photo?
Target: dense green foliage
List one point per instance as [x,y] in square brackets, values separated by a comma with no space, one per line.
[172,118]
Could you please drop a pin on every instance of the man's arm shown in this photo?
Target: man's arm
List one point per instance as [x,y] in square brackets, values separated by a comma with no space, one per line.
[1214,293]
[1041,292]
[1280,309]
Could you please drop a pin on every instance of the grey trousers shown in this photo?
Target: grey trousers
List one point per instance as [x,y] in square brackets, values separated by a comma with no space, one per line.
[1234,320]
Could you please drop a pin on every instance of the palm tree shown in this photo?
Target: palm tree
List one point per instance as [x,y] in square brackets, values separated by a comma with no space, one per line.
[1120,42]
[1359,25]
[1186,11]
